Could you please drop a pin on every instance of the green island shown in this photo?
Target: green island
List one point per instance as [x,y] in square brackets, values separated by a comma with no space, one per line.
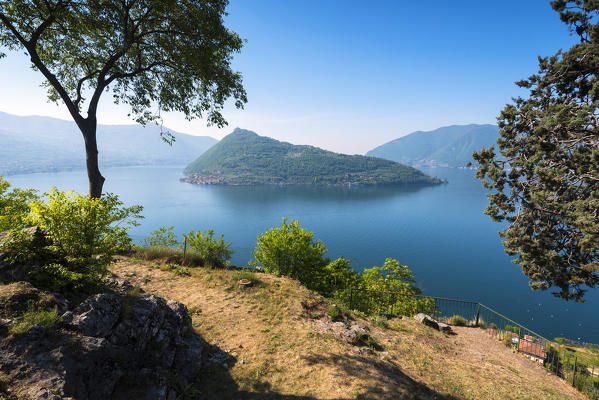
[246,158]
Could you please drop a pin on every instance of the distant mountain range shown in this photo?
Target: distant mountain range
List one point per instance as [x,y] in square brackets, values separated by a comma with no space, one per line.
[245,158]
[450,146]
[40,144]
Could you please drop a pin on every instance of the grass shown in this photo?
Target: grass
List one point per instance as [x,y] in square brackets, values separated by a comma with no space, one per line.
[279,330]
[250,276]
[457,320]
[127,303]
[176,269]
[168,255]
[35,316]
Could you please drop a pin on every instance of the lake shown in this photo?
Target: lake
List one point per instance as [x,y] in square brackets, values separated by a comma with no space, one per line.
[440,232]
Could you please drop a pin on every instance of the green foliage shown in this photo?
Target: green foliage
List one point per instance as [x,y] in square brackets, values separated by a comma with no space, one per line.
[336,277]
[214,252]
[560,340]
[47,318]
[292,251]
[176,269]
[14,205]
[457,320]
[334,311]
[86,231]
[547,185]
[513,329]
[244,158]
[381,321]
[162,237]
[58,278]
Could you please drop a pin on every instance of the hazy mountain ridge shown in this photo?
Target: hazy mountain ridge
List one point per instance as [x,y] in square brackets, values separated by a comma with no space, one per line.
[450,146]
[39,144]
[245,158]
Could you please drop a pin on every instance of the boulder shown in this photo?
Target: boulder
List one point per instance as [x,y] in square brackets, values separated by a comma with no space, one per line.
[426,320]
[95,316]
[125,347]
[444,327]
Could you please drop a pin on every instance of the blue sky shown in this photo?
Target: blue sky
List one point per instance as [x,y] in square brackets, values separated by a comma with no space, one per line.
[350,75]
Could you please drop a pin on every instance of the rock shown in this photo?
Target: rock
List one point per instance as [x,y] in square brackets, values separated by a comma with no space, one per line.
[116,355]
[120,285]
[96,315]
[444,327]
[426,320]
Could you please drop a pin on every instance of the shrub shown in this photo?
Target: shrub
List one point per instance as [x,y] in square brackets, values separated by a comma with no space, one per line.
[560,340]
[292,251]
[47,318]
[14,206]
[336,277]
[381,321]
[162,237]
[334,311]
[214,252]
[514,329]
[58,278]
[457,320]
[88,232]
[176,269]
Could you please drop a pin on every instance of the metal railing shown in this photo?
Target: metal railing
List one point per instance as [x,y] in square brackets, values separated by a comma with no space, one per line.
[559,359]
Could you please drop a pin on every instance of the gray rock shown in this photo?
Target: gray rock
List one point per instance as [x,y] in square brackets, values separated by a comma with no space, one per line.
[444,327]
[426,320]
[96,315]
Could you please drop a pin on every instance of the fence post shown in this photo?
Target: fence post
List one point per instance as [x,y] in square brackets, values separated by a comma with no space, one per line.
[477,314]
[574,370]
[184,248]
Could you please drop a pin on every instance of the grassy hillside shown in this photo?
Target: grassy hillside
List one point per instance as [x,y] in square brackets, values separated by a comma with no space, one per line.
[243,157]
[448,146]
[279,345]
[38,144]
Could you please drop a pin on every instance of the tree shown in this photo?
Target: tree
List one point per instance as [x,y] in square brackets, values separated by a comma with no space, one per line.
[547,187]
[173,55]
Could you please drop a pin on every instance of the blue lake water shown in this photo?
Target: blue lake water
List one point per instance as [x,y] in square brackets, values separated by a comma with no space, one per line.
[440,232]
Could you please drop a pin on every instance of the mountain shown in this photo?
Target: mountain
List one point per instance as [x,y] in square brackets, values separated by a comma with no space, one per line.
[245,158]
[450,146]
[38,144]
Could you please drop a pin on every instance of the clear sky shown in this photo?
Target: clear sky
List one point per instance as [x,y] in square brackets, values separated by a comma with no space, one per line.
[350,75]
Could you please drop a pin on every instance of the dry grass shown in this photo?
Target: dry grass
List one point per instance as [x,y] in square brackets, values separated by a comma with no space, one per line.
[273,332]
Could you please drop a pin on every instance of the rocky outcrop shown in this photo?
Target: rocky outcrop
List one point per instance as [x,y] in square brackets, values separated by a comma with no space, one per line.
[428,321]
[111,346]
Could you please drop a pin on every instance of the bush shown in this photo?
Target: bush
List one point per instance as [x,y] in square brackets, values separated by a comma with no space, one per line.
[162,237]
[560,340]
[292,251]
[214,252]
[88,232]
[457,320]
[14,206]
[381,321]
[336,277]
[334,311]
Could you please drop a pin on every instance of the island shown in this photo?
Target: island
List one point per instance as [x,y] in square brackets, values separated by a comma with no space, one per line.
[246,158]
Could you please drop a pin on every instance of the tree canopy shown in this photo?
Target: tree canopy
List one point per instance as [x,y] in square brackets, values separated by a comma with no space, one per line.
[547,185]
[154,55]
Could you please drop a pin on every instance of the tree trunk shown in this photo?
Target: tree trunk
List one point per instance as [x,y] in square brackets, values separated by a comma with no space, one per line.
[96,180]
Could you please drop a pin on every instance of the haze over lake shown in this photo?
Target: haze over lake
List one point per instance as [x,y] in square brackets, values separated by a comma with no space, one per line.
[440,232]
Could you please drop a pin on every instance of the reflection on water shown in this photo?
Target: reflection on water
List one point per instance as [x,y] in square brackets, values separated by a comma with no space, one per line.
[440,232]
